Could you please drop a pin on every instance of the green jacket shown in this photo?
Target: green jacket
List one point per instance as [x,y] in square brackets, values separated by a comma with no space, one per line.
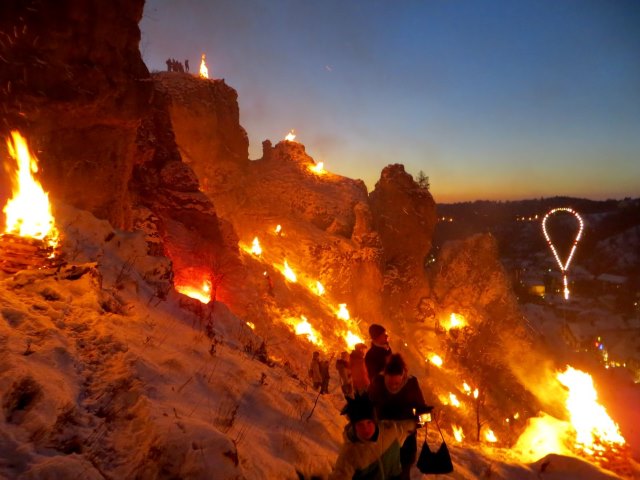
[373,460]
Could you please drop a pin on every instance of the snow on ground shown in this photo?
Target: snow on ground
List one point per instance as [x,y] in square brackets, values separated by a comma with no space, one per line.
[102,378]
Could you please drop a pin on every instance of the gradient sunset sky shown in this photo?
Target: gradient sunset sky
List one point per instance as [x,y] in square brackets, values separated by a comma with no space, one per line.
[492,99]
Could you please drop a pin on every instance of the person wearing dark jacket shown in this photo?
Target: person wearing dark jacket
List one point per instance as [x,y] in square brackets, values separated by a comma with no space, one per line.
[371,449]
[377,355]
[397,396]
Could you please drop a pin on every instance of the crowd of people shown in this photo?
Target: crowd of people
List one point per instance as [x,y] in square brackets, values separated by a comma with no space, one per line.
[383,406]
[174,65]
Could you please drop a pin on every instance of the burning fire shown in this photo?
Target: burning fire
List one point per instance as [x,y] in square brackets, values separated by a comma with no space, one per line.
[594,428]
[319,288]
[289,274]
[28,211]
[343,313]
[352,340]
[304,328]
[457,433]
[456,321]
[489,436]
[291,136]
[202,292]
[256,249]
[278,230]
[454,400]
[204,71]
[436,360]
[318,168]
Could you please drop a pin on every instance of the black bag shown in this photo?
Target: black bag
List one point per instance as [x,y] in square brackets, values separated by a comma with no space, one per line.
[438,462]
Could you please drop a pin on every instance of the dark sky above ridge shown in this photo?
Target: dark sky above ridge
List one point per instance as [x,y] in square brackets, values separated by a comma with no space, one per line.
[492,99]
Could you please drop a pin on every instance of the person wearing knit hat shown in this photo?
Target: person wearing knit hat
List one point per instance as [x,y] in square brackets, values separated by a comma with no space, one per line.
[377,355]
[371,448]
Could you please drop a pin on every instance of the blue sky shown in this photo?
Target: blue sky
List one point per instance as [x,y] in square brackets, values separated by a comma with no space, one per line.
[492,99]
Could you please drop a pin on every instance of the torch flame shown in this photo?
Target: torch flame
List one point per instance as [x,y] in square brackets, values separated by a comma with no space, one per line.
[28,211]
[458,434]
[291,136]
[594,428]
[201,293]
[256,249]
[489,436]
[304,328]
[289,274]
[204,71]
[343,313]
[436,360]
[352,340]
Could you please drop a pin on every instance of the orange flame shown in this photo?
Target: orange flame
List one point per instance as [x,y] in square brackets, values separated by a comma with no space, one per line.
[291,136]
[343,313]
[289,274]
[453,399]
[318,168]
[436,360]
[456,321]
[201,293]
[594,428]
[28,211]
[303,327]
[489,436]
[458,434]
[319,289]
[352,340]
[278,230]
[256,249]
[204,71]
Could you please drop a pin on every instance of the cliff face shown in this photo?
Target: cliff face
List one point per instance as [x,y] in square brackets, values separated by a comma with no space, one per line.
[73,82]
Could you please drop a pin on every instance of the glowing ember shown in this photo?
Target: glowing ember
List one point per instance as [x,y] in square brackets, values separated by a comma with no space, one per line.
[563,266]
[475,393]
[318,168]
[288,273]
[256,249]
[319,289]
[204,71]
[343,313]
[457,433]
[251,325]
[28,211]
[304,328]
[352,340]
[454,400]
[594,428]
[489,436]
[436,360]
[291,136]
[278,230]
[201,293]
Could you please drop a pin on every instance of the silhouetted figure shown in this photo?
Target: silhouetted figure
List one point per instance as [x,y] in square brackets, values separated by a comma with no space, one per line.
[324,373]
[376,357]
[344,373]
[186,65]
[168,64]
[314,371]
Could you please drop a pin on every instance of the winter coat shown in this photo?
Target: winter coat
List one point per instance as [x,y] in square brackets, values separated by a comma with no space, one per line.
[359,375]
[372,460]
[396,406]
[376,359]
[399,406]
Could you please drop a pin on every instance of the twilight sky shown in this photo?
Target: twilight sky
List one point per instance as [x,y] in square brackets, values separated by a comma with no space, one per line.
[492,99]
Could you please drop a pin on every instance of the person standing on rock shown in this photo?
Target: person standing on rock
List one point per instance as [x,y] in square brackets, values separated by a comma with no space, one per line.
[376,357]
[186,65]
[325,376]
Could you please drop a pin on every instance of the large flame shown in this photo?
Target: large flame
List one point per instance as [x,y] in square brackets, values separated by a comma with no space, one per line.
[458,434]
[291,136]
[204,71]
[288,273]
[303,327]
[200,292]
[343,312]
[595,431]
[456,321]
[435,359]
[28,211]
[352,339]
[318,168]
